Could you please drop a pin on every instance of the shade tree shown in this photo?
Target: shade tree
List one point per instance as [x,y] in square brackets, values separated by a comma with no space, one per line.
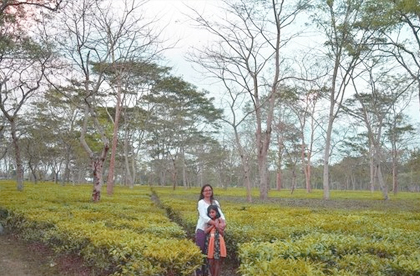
[99,38]
[25,60]
[247,59]
[346,45]
[376,106]
[399,36]
[183,118]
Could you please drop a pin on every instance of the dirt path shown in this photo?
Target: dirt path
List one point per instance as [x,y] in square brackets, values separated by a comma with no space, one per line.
[19,258]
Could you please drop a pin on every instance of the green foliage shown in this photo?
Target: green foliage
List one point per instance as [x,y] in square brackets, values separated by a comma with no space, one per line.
[128,234]
[123,235]
[274,239]
[328,253]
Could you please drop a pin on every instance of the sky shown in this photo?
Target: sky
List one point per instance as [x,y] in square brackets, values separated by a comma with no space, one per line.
[173,16]
[178,27]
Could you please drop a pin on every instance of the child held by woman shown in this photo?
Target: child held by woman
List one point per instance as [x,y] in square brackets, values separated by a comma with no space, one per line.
[215,243]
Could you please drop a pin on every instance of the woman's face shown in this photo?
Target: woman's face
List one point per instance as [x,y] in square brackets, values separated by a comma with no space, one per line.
[207,192]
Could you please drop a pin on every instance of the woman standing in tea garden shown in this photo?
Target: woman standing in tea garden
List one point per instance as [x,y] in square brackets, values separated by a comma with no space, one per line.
[215,242]
[205,200]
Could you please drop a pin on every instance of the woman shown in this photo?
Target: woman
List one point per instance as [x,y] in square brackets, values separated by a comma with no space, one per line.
[205,200]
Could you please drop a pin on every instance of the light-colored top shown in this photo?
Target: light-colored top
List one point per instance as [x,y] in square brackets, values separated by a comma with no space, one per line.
[203,218]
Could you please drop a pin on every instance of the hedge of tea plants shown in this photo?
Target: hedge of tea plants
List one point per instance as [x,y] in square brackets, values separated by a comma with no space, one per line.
[129,234]
[273,239]
[123,234]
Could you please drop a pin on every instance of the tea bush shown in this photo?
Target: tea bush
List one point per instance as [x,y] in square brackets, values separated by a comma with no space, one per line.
[373,238]
[299,234]
[126,234]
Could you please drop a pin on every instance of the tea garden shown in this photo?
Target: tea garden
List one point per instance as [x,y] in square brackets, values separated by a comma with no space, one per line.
[148,230]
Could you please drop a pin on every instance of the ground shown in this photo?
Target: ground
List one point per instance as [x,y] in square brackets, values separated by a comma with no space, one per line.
[20,258]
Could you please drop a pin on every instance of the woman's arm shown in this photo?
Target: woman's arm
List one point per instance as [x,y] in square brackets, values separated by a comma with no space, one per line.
[220,226]
[222,216]
[202,212]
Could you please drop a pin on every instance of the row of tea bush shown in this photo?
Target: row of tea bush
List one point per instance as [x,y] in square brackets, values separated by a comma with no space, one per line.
[123,234]
[273,239]
[129,234]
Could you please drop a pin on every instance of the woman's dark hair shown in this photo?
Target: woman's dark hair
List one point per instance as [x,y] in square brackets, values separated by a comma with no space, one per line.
[213,207]
[202,190]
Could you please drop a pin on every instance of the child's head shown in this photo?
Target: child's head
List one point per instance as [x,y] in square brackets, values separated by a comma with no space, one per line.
[213,212]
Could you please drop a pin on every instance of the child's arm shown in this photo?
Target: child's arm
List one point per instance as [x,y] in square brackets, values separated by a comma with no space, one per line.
[208,228]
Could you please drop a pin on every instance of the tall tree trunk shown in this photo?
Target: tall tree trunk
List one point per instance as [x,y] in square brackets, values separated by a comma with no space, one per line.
[308,171]
[184,169]
[247,178]
[372,170]
[128,178]
[394,177]
[394,169]
[111,170]
[306,164]
[133,168]
[245,165]
[331,118]
[326,174]
[308,177]
[174,174]
[97,168]
[97,162]
[263,139]
[278,179]
[279,173]
[293,180]
[18,160]
[382,184]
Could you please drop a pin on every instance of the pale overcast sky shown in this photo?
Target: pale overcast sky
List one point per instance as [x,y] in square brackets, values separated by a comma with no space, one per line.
[173,15]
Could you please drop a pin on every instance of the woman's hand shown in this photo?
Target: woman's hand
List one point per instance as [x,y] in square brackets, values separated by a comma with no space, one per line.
[222,224]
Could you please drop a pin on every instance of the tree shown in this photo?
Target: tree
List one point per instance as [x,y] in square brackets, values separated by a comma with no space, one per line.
[99,40]
[247,61]
[23,63]
[52,124]
[183,118]
[129,42]
[347,44]
[398,131]
[136,112]
[375,112]
[398,23]
[300,126]
[12,8]
[399,36]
